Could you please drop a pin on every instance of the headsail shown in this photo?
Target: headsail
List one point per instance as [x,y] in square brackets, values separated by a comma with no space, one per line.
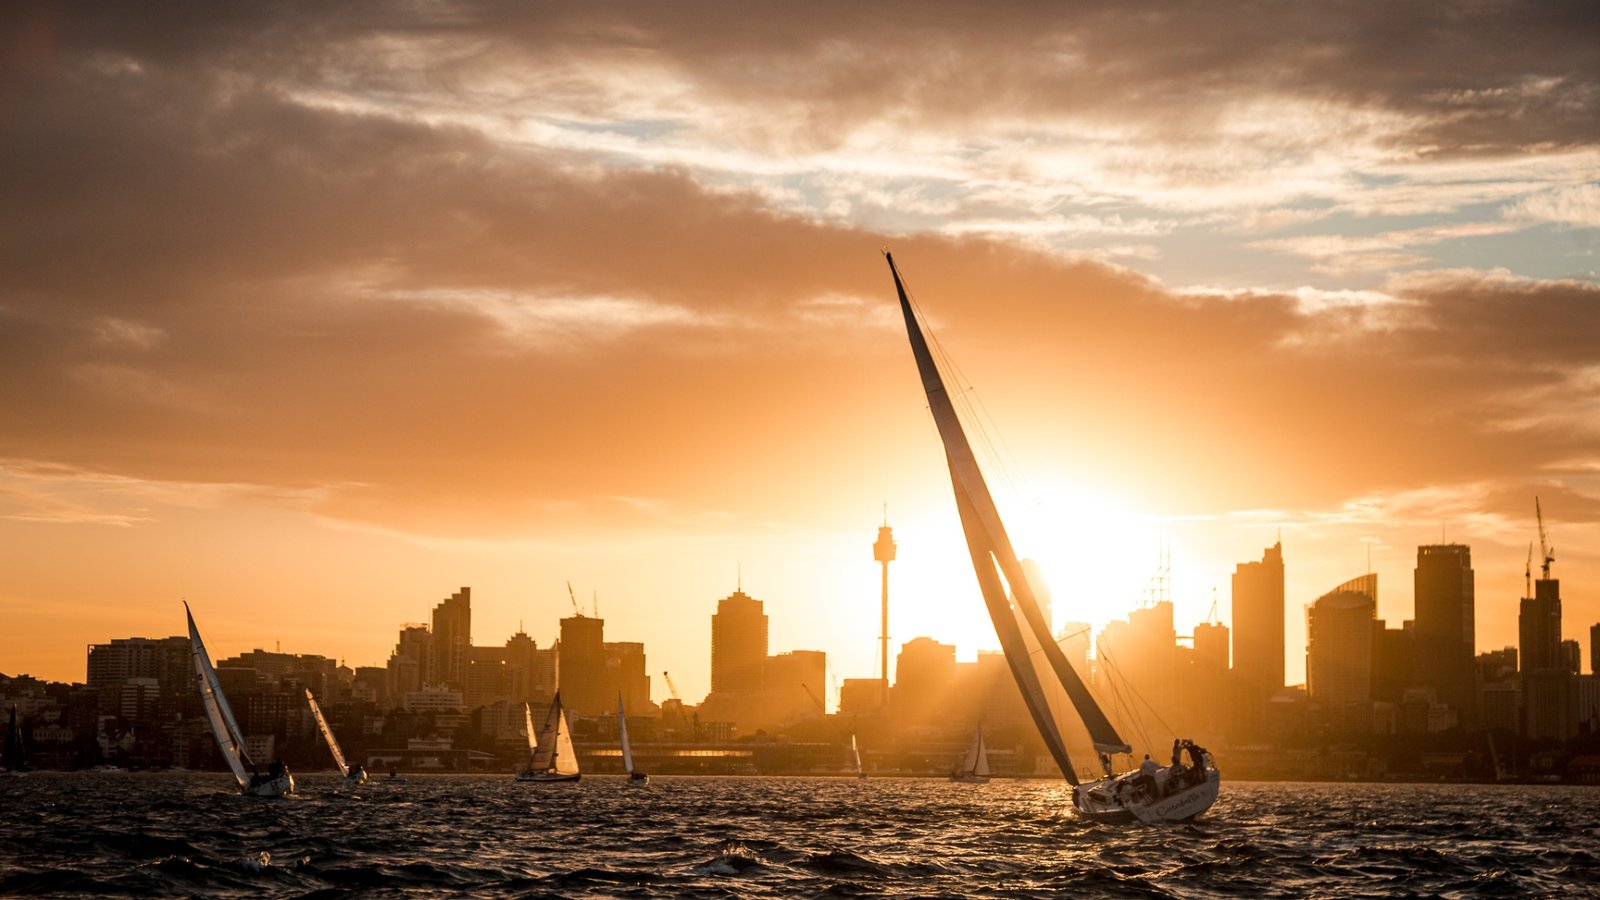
[566,758]
[993,560]
[229,739]
[545,748]
[327,734]
[527,718]
[977,758]
[627,746]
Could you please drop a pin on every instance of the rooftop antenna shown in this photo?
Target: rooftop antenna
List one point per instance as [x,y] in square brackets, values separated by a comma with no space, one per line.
[594,598]
[1546,552]
[738,578]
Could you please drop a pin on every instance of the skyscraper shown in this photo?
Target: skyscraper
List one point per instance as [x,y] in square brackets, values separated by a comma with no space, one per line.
[585,688]
[452,639]
[1258,624]
[738,644]
[1444,639]
[1340,628]
[1546,683]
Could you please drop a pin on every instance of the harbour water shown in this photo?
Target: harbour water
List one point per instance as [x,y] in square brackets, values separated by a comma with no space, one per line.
[189,834]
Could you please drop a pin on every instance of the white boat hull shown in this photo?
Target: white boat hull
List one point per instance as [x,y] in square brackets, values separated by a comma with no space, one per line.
[272,787]
[1097,801]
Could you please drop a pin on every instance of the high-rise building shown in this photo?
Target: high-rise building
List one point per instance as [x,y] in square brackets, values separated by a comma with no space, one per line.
[738,644]
[164,659]
[1571,657]
[1546,689]
[1594,649]
[1211,646]
[488,680]
[1340,628]
[924,672]
[1258,661]
[452,639]
[585,688]
[626,675]
[797,683]
[410,665]
[1445,643]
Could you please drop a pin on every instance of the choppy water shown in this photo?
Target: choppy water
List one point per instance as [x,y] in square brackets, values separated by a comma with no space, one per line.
[169,834]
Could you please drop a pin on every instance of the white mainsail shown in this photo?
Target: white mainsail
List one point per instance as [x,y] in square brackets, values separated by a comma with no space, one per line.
[566,758]
[977,758]
[1018,620]
[554,753]
[223,726]
[627,746]
[527,718]
[327,734]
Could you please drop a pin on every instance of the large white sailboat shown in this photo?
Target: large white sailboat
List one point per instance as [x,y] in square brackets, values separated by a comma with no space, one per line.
[353,774]
[553,757]
[230,741]
[975,765]
[634,775]
[1166,795]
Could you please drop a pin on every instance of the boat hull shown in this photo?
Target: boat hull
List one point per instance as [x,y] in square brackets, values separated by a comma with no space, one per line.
[970,779]
[1096,801]
[638,778]
[546,777]
[272,787]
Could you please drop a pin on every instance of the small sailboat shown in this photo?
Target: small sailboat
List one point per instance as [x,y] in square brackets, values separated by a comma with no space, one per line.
[353,774]
[14,758]
[634,775]
[553,758]
[975,765]
[1031,651]
[855,758]
[277,782]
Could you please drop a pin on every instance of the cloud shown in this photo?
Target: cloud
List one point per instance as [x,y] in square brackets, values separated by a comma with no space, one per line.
[1574,207]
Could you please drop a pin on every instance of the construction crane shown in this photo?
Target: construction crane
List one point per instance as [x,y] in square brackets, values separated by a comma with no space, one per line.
[574,598]
[807,688]
[672,688]
[1527,572]
[1546,552]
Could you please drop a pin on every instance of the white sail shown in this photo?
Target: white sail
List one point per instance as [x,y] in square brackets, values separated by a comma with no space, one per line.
[545,749]
[566,758]
[627,746]
[223,726]
[327,734]
[855,755]
[976,762]
[533,736]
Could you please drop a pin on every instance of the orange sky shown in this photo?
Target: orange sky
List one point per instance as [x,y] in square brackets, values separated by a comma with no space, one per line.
[313,315]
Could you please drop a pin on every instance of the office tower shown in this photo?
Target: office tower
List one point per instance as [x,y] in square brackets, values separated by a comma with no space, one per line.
[1546,683]
[585,688]
[924,672]
[797,683]
[1211,646]
[488,679]
[738,644]
[1258,624]
[164,659]
[1445,643]
[410,665]
[1340,628]
[1571,657]
[626,675]
[521,655]
[452,639]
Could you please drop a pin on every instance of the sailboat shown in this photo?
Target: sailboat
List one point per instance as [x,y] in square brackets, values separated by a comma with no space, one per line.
[1031,652]
[14,759]
[353,774]
[553,758]
[855,758]
[277,782]
[634,775]
[975,765]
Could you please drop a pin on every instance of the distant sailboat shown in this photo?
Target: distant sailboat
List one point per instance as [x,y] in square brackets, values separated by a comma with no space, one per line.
[353,774]
[230,741]
[634,775]
[1031,651]
[553,758]
[975,766]
[14,759]
[855,758]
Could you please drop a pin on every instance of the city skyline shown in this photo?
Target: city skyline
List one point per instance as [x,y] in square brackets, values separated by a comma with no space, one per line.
[311,315]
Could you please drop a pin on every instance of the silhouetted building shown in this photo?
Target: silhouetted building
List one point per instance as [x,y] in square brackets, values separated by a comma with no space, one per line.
[1340,628]
[531,672]
[1392,655]
[582,668]
[452,639]
[1594,649]
[738,644]
[410,665]
[626,676]
[1211,646]
[924,671]
[1445,641]
[1547,698]
[1258,656]
[861,697]
[487,677]
[796,684]
[1571,657]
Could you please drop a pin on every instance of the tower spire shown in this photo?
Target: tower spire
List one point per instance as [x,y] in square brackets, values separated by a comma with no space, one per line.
[883,552]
